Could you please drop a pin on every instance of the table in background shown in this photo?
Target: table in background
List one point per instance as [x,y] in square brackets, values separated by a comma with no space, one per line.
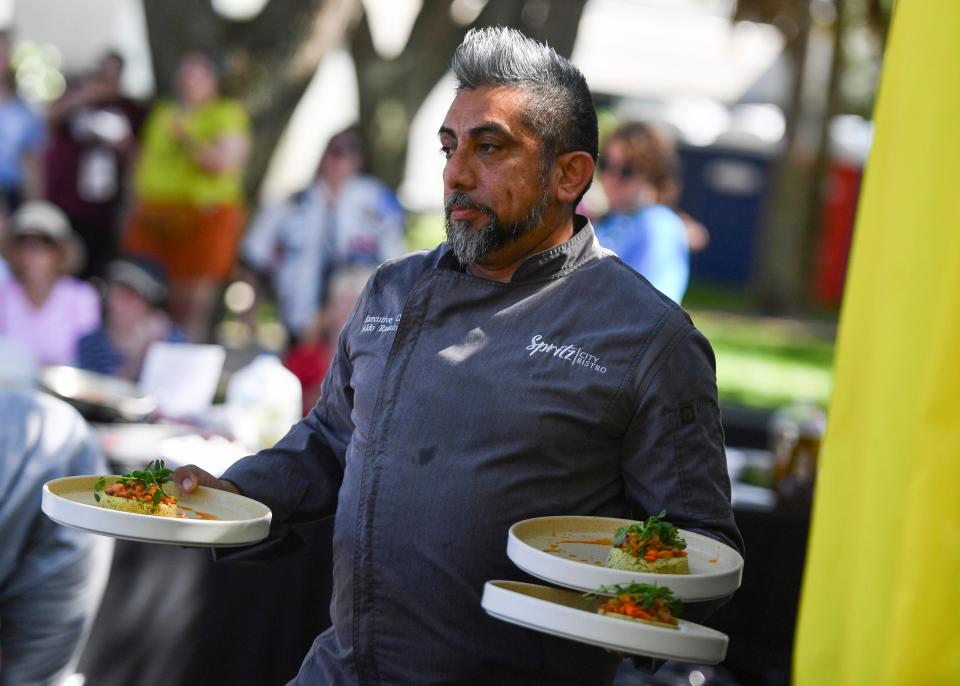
[761,617]
[172,615]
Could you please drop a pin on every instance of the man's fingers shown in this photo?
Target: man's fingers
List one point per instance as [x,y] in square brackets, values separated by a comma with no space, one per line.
[189,477]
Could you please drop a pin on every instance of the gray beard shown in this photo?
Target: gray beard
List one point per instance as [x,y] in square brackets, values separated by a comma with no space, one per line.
[471,245]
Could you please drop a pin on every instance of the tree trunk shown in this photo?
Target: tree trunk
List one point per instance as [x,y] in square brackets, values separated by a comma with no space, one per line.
[392,91]
[269,75]
[819,187]
[267,61]
[777,284]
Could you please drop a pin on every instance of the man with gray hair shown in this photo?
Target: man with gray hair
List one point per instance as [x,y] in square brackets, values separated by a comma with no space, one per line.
[517,370]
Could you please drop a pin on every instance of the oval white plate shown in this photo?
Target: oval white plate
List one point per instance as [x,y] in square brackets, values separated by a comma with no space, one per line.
[570,551]
[569,615]
[237,520]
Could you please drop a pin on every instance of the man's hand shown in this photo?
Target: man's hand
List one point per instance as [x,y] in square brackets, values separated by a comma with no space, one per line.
[189,477]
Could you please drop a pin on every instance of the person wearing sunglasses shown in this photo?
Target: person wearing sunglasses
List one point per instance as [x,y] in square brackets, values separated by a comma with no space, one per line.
[637,171]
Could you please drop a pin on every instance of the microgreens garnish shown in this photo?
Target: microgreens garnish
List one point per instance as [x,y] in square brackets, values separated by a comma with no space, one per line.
[653,527]
[101,482]
[154,473]
[643,594]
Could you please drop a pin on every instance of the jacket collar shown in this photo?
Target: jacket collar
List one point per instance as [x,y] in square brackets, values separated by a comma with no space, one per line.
[581,247]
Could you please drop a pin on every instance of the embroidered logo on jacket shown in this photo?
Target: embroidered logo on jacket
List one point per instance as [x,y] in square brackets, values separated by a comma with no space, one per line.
[573,354]
[380,323]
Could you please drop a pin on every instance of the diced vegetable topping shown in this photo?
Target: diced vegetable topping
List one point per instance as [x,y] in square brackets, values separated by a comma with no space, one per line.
[654,539]
[641,601]
[146,484]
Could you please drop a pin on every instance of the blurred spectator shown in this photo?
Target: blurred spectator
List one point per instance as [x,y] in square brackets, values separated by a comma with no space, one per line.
[51,577]
[637,171]
[188,181]
[134,318]
[309,361]
[344,218]
[4,237]
[42,306]
[21,138]
[93,140]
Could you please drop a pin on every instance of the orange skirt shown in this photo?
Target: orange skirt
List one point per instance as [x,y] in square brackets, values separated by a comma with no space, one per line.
[191,242]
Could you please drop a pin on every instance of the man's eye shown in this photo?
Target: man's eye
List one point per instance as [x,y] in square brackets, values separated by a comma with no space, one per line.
[488,147]
[446,151]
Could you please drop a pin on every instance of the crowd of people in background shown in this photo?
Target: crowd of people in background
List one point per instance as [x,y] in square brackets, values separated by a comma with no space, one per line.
[188,207]
[121,222]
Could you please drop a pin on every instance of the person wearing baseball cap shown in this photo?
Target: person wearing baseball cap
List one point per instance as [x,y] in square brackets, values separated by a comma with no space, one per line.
[43,305]
[135,317]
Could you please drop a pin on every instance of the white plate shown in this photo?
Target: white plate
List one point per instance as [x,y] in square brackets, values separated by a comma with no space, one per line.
[569,615]
[236,521]
[570,551]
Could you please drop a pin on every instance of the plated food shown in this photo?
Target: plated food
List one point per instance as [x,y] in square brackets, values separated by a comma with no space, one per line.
[654,546]
[641,603]
[138,491]
[570,615]
[573,550]
[205,517]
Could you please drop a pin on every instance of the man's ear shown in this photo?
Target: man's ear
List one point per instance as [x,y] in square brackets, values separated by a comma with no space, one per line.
[575,169]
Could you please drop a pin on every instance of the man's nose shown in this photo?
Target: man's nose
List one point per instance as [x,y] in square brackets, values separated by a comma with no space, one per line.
[458,174]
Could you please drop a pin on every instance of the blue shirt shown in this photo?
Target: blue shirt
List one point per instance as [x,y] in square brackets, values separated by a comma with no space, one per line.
[21,130]
[653,241]
[97,353]
[51,577]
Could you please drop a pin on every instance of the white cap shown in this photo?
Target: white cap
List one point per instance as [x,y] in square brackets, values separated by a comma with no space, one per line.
[41,218]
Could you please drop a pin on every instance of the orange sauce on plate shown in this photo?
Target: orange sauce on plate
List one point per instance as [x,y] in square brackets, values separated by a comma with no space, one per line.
[197,514]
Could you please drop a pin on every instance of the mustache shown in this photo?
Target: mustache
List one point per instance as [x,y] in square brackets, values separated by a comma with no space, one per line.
[461,201]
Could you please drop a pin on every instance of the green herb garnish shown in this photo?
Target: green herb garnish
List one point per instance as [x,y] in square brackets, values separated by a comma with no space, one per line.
[655,527]
[154,473]
[644,595]
[101,482]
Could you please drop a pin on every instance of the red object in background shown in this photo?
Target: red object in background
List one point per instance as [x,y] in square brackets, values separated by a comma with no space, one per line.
[309,363]
[836,231]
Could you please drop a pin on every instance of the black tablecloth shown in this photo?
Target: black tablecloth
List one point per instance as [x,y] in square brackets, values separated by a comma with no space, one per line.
[173,617]
[761,617]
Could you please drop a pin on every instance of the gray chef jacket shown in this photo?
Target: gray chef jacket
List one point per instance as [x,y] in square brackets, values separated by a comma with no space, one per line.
[456,406]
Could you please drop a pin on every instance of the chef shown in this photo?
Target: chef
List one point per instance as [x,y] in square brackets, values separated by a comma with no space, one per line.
[524,371]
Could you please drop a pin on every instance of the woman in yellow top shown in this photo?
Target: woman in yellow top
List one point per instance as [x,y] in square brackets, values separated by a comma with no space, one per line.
[189,184]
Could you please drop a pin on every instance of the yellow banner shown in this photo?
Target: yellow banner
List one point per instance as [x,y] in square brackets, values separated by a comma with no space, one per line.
[881,593]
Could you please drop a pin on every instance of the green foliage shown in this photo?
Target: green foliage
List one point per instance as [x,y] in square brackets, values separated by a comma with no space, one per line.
[653,527]
[765,362]
[97,487]
[425,231]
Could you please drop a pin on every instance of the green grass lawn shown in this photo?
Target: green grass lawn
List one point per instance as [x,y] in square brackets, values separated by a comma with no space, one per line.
[765,362]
